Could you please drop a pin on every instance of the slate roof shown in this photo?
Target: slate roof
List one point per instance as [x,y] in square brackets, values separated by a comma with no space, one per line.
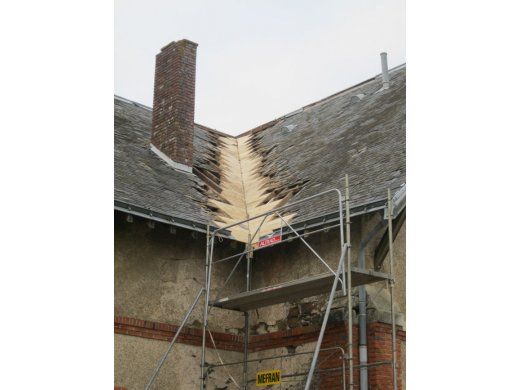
[359,131]
[365,138]
[142,180]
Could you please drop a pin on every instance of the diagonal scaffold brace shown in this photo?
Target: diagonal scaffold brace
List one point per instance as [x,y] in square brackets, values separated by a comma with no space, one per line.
[325,318]
[163,359]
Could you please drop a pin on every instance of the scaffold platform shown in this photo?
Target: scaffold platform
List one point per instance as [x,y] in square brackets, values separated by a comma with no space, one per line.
[294,289]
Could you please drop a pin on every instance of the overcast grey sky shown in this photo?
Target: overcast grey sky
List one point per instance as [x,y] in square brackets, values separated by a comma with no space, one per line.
[258,60]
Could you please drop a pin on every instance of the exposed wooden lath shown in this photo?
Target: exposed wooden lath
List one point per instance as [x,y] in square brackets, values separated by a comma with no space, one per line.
[244,191]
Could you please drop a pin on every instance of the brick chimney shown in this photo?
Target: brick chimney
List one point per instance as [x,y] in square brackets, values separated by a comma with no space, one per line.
[174,104]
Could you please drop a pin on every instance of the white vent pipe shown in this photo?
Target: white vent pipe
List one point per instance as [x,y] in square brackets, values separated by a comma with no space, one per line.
[384,71]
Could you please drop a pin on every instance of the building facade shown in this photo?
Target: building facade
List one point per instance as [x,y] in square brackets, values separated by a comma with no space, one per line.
[175,179]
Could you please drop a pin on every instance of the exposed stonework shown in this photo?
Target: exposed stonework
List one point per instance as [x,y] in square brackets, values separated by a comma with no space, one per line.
[152,264]
[293,260]
[158,274]
[292,351]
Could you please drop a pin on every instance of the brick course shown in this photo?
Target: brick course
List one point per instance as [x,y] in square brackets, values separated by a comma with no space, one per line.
[165,332]
[379,337]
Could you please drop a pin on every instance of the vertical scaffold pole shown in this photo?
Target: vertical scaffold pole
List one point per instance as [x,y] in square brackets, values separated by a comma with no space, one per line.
[391,255]
[325,319]
[349,287]
[207,284]
[246,313]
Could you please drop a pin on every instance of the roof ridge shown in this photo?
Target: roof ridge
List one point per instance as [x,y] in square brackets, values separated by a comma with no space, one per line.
[325,99]
[272,122]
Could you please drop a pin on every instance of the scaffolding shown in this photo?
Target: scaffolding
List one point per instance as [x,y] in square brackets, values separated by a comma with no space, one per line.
[344,279]
[300,376]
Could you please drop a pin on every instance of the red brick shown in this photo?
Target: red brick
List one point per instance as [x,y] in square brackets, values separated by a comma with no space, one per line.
[379,346]
[174,101]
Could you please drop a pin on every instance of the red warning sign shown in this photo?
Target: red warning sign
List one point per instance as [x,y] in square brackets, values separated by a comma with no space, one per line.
[268,241]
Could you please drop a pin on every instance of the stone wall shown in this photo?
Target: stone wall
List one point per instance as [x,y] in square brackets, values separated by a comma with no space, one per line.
[135,359]
[288,351]
[158,274]
[294,260]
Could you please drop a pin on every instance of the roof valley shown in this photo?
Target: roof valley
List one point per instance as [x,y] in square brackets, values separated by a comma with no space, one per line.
[245,191]
[356,131]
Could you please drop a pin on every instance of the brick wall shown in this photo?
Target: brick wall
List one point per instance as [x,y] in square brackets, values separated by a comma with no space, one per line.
[380,350]
[379,346]
[174,101]
[165,332]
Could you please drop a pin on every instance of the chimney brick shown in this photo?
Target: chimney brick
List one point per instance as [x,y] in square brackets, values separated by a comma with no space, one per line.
[174,102]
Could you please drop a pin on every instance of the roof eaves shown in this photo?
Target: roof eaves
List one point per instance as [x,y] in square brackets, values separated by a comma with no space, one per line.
[318,221]
[161,217]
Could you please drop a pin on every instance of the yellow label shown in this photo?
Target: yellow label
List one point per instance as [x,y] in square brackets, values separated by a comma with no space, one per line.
[265,378]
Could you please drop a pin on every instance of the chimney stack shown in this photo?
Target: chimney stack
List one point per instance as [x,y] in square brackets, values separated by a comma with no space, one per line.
[384,72]
[174,104]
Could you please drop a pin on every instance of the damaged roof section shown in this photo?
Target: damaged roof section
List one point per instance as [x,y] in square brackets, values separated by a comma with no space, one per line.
[359,131]
[245,191]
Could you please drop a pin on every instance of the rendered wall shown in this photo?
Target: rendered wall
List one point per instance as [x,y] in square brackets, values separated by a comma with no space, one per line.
[288,351]
[135,360]
[328,374]
[294,260]
[158,274]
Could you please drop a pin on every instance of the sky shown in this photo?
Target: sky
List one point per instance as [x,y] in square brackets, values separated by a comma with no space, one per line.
[462,157]
[257,60]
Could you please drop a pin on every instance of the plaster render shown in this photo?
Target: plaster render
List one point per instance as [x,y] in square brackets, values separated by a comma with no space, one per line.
[294,260]
[289,365]
[399,272]
[135,359]
[158,275]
